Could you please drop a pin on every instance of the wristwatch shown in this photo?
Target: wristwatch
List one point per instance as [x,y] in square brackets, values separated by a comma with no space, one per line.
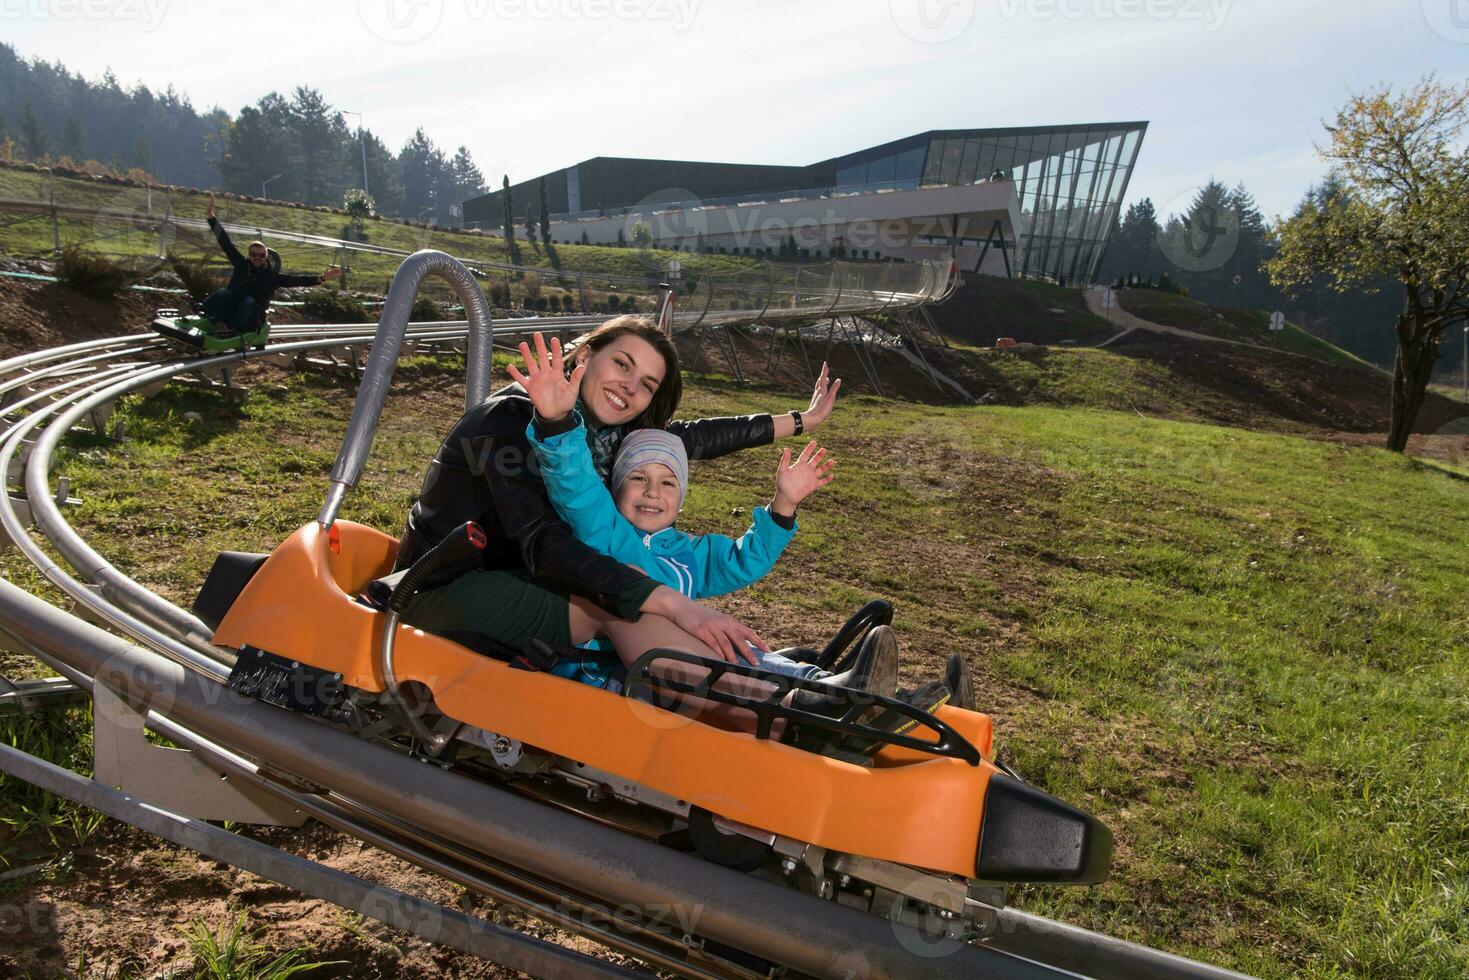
[800,426]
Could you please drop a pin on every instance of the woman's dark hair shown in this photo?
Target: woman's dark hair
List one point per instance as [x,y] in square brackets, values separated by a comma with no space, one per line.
[665,400]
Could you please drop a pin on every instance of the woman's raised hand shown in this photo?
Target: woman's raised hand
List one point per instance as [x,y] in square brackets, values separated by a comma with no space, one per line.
[823,398]
[545,380]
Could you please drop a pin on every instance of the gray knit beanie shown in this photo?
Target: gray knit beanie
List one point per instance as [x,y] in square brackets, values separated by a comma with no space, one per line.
[652,446]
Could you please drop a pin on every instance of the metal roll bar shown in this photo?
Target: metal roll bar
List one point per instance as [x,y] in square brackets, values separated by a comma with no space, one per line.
[383,358]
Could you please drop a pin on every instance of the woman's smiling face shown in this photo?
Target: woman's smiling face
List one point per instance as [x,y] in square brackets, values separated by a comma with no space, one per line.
[621,379]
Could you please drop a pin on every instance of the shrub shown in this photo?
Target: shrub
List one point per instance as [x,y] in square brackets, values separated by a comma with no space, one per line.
[532,287]
[425,310]
[91,275]
[359,205]
[195,276]
[614,303]
[334,306]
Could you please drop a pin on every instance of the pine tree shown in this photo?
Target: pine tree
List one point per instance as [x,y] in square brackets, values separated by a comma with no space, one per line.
[508,223]
[468,180]
[262,146]
[73,140]
[33,139]
[143,154]
[1255,247]
[545,214]
[1133,249]
[421,166]
[320,135]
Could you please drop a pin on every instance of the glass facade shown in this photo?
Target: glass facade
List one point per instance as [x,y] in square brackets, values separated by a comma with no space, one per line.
[1070,181]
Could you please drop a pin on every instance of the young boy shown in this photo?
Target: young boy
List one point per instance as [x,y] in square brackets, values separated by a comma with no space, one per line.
[635,522]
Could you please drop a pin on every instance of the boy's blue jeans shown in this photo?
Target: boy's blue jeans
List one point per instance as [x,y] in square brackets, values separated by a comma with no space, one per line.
[610,676]
[781,664]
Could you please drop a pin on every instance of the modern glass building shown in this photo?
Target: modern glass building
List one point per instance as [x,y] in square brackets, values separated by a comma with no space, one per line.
[1069,180]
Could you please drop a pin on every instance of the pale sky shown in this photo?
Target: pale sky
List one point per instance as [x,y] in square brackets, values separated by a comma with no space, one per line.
[1234,89]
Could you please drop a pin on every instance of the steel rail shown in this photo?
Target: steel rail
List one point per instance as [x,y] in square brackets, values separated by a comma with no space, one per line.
[767,920]
[429,921]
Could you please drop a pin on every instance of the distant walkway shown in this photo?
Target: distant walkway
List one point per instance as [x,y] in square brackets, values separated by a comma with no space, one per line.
[1122,318]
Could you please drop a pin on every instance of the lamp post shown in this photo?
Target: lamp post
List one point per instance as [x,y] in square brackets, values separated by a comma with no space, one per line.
[361,141]
[266,181]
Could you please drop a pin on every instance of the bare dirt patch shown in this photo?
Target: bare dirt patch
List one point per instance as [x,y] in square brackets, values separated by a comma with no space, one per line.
[107,906]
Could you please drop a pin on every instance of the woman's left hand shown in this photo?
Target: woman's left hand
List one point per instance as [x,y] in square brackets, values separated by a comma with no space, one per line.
[823,399]
[551,391]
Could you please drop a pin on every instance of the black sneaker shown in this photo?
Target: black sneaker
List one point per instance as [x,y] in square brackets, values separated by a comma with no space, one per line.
[960,682]
[927,697]
[875,671]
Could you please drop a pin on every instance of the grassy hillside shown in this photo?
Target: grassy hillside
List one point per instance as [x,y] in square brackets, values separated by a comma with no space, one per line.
[1245,651]
[30,236]
[985,308]
[1248,326]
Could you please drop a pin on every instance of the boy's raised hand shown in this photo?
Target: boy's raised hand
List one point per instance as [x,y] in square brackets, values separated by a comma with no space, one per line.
[551,391]
[795,481]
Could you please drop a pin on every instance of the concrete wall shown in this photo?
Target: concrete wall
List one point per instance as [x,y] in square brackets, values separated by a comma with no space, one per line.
[885,224]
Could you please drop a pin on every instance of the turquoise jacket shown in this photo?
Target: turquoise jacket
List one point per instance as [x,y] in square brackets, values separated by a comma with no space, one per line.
[698,565]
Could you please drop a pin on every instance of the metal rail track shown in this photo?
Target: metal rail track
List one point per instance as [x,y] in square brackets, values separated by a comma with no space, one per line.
[577,876]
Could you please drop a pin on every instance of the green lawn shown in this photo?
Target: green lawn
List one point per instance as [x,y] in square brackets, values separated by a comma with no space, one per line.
[1245,651]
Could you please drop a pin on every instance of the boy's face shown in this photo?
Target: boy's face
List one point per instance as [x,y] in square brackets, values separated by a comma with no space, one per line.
[648,497]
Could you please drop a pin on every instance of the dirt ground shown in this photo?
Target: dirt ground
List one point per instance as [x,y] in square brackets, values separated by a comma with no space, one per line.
[125,899]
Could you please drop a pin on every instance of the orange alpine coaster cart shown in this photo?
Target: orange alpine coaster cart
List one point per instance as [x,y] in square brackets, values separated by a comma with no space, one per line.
[932,829]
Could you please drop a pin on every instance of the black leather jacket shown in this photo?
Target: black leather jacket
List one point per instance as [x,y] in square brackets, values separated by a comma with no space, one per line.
[486,471]
[260,283]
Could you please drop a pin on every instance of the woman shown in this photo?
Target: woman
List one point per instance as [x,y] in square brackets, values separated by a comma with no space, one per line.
[535,579]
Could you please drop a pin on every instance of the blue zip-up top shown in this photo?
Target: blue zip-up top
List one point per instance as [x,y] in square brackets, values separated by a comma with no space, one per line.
[697,565]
